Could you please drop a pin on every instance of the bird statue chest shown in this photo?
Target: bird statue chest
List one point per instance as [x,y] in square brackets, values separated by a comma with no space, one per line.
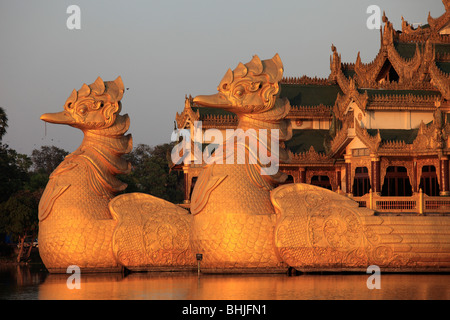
[236,193]
[74,192]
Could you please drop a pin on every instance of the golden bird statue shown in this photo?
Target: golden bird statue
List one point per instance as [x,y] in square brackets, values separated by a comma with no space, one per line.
[241,219]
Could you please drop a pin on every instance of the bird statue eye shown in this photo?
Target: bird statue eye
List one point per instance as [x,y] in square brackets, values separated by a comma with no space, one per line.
[239,92]
[82,110]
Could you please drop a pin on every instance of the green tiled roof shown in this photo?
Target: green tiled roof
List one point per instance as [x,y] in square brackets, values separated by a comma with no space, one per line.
[444,66]
[212,111]
[372,92]
[407,50]
[309,95]
[408,136]
[442,48]
[302,140]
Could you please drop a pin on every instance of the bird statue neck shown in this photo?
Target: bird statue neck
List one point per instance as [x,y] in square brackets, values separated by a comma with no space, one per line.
[254,126]
[104,148]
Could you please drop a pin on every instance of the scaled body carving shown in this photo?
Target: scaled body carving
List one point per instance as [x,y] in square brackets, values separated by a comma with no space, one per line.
[240,220]
[234,228]
[332,233]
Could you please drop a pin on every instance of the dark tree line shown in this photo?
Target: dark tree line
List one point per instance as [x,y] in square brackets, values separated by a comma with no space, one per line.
[151,173]
[23,180]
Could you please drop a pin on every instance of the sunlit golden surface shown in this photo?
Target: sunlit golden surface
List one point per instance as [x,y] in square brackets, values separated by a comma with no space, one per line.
[81,222]
[240,220]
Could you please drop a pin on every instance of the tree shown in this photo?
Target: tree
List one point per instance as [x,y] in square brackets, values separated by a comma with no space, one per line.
[37,182]
[13,166]
[18,207]
[19,218]
[3,123]
[151,174]
[13,171]
[47,158]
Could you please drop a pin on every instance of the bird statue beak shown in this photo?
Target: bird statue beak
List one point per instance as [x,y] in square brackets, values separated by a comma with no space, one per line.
[62,117]
[217,100]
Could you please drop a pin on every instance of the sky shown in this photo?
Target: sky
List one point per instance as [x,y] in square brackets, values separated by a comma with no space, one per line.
[164,50]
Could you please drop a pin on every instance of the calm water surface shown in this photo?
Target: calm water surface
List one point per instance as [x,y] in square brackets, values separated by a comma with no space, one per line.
[27,283]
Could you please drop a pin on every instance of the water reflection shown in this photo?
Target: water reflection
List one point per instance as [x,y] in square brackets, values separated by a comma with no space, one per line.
[24,283]
[20,282]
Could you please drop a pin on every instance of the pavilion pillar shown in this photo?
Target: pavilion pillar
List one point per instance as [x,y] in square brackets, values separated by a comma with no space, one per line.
[376,174]
[187,185]
[444,176]
[348,174]
[416,183]
[338,179]
[302,175]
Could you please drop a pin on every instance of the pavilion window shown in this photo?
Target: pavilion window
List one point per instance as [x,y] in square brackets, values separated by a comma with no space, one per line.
[429,182]
[321,181]
[361,182]
[396,183]
[361,152]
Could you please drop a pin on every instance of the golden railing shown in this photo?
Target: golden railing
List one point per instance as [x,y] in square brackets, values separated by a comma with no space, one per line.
[417,203]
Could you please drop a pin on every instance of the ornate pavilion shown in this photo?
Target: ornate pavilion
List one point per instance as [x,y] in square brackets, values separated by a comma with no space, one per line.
[380,128]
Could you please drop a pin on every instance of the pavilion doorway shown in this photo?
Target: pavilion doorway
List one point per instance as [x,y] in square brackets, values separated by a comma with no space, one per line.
[361,182]
[396,183]
[429,182]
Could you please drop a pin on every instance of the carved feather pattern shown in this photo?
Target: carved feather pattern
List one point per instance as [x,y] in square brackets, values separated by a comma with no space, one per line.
[319,229]
[207,182]
[151,233]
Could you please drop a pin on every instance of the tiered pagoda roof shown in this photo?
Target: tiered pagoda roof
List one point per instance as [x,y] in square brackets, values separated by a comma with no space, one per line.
[411,72]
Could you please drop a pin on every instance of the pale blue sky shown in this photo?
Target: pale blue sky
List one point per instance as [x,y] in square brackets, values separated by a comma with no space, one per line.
[166,49]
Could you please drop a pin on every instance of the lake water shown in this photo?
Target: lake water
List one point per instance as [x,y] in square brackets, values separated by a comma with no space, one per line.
[26,283]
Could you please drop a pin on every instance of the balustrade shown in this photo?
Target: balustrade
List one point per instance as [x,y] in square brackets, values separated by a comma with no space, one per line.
[417,203]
